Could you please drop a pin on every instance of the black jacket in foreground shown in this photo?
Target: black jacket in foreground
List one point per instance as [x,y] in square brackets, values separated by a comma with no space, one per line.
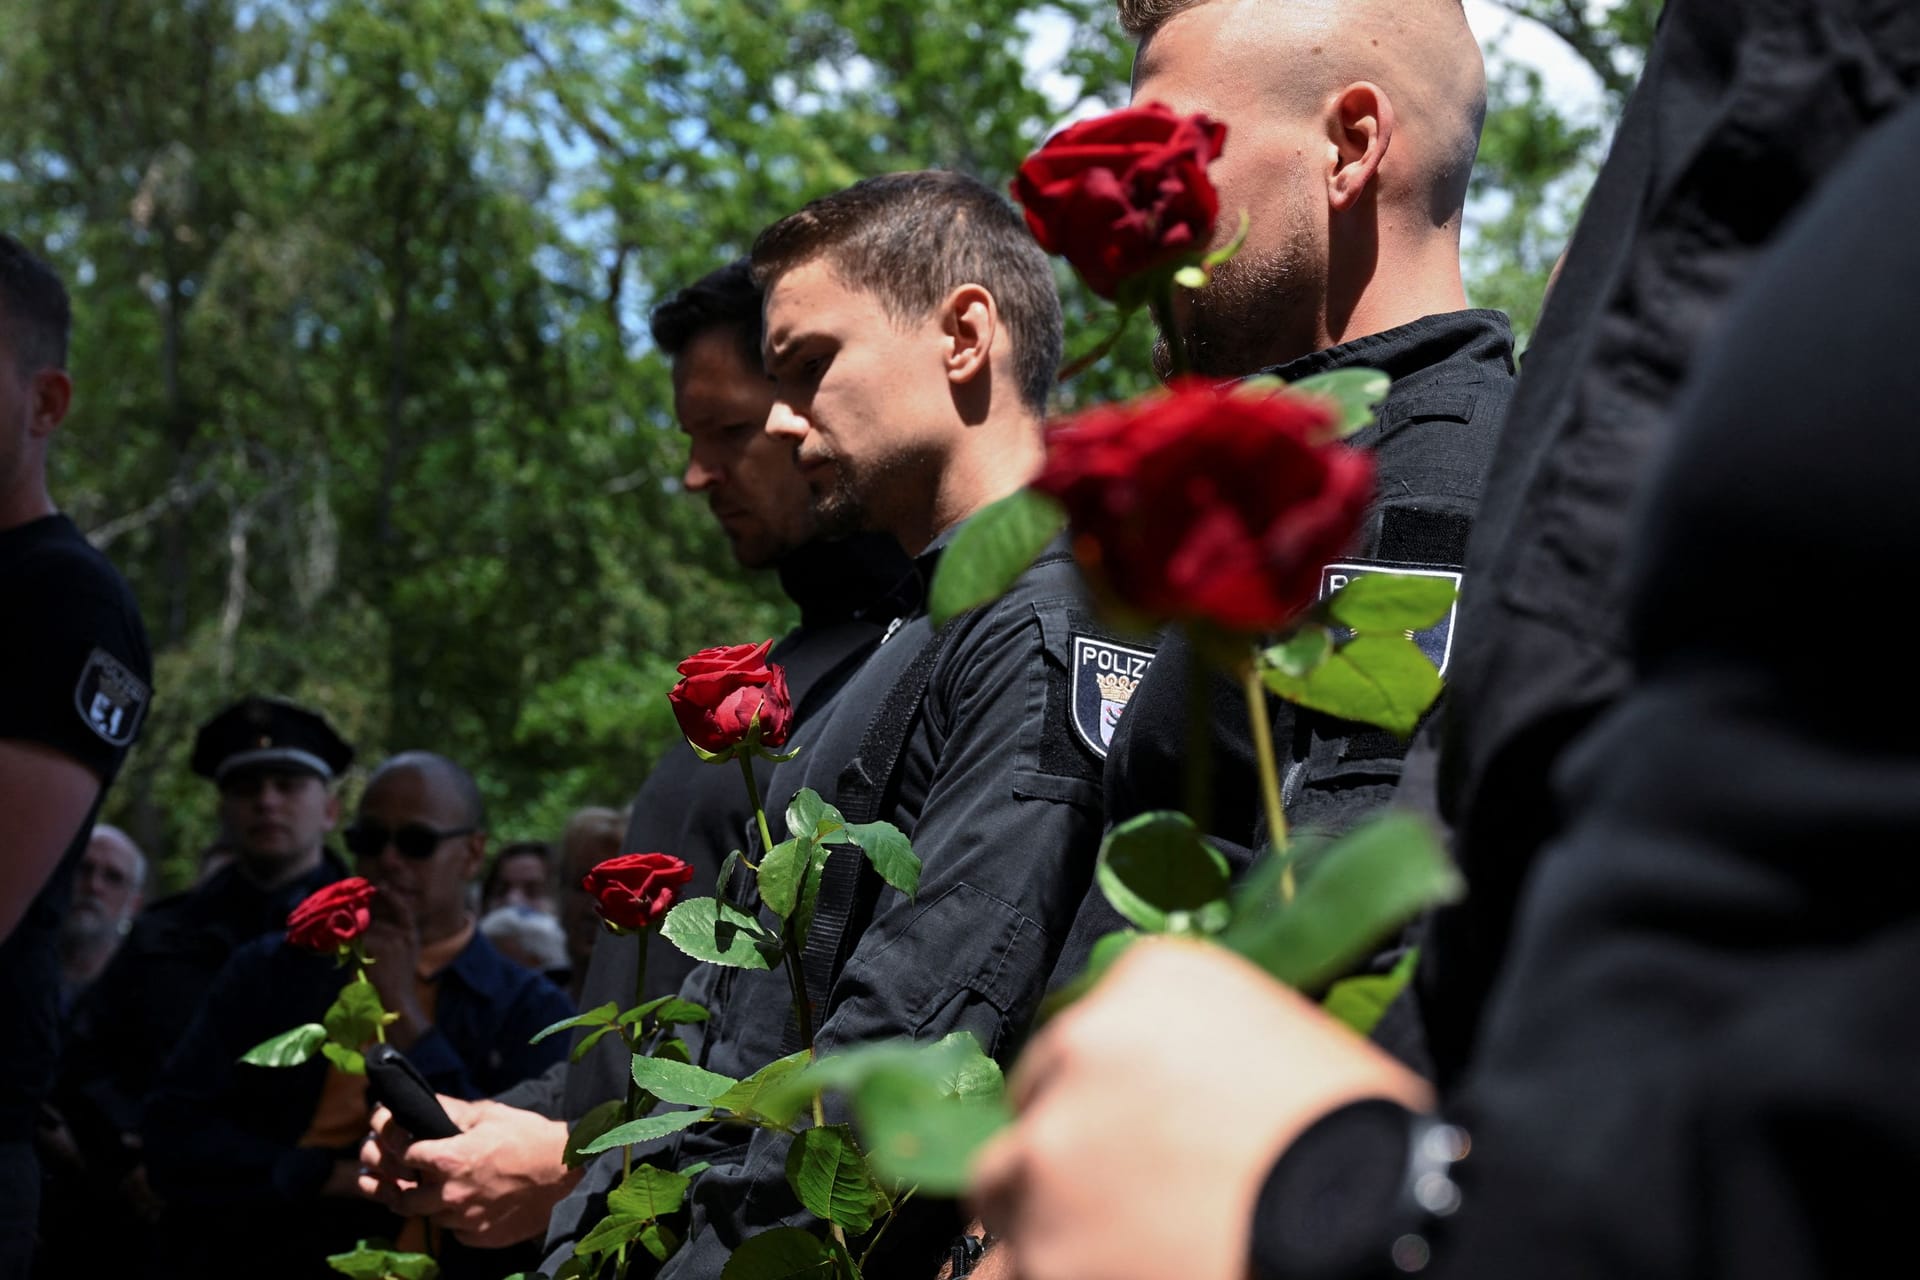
[1699,1059]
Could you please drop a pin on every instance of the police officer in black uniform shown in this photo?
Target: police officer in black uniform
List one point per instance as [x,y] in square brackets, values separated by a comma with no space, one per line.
[75,678]
[962,738]
[1381,289]
[846,588]
[275,764]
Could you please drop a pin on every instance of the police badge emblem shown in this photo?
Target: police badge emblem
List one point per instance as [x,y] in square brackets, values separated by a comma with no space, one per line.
[1435,641]
[110,698]
[1104,678]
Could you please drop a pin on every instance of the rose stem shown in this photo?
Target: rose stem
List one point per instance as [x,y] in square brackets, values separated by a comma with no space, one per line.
[1163,317]
[1269,775]
[632,1036]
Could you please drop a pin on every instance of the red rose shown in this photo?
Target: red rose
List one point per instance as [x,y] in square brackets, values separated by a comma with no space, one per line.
[1205,505]
[721,691]
[332,917]
[1124,194]
[634,890]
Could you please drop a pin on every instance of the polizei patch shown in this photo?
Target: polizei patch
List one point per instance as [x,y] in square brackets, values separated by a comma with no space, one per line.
[1104,678]
[1435,641]
[110,698]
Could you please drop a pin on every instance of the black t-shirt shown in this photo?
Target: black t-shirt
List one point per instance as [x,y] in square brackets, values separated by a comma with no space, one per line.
[75,676]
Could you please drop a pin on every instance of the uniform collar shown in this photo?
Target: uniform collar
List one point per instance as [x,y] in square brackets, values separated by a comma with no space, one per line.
[1407,349]
[836,579]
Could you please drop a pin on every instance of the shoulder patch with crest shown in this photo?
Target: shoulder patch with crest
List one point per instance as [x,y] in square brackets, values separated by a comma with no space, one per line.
[1435,641]
[110,698]
[1104,678]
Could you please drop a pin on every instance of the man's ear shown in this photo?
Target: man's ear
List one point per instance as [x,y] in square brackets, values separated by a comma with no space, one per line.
[52,394]
[476,855]
[333,811]
[1359,131]
[968,321]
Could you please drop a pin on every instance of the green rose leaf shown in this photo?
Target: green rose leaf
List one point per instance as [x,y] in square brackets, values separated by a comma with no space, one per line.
[657,1238]
[596,1122]
[675,1012]
[827,1171]
[366,1263]
[1360,1002]
[810,818]
[1392,601]
[780,873]
[288,1049]
[649,1193]
[674,1050]
[966,1071]
[1351,392]
[888,849]
[1378,679]
[1362,888]
[610,1233]
[587,1042]
[725,878]
[601,1017]
[720,933]
[351,1061]
[750,1096]
[1301,652]
[1160,874]
[784,1253]
[355,1016]
[990,551]
[919,1136]
[679,1082]
[646,1130]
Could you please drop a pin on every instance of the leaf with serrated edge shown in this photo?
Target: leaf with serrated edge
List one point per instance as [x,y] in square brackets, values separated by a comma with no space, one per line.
[827,1171]
[749,1096]
[598,1017]
[784,1253]
[1377,679]
[288,1049]
[991,550]
[587,1042]
[384,1264]
[599,1120]
[637,1131]
[919,1137]
[649,1192]
[933,1064]
[1359,891]
[809,817]
[1352,394]
[679,1082]
[610,1233]
[719,933]
[780,873]
[1301,652]
[890,853]
[1399,602]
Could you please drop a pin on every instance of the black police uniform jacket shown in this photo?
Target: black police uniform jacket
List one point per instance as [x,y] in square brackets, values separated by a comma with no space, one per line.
[847,590]
[1000,796]
[1699,1060]
[1432,440]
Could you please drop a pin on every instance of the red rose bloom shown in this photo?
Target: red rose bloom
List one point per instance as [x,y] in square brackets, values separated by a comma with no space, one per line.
[1124,194]
[720,692]
[1209,506]
[634,890]
[332,917]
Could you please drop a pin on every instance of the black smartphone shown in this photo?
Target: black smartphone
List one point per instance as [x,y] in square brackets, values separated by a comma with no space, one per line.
[398,1084]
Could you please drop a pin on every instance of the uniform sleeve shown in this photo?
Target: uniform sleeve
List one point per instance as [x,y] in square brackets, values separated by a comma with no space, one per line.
[81,672]
[539,1094]
[1006,835]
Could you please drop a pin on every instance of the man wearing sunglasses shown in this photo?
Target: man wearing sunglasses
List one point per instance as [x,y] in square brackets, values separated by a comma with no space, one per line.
[271,1154]
[274,764]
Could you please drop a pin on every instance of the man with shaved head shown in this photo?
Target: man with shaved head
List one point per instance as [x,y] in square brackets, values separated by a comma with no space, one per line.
[271,1153]
[1351,131]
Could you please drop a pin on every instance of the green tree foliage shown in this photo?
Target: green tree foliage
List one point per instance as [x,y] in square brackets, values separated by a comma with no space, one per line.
[366,408]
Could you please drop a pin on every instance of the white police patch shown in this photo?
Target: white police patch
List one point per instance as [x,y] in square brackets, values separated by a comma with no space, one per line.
[1437,640]
[110,698]
[1104,678]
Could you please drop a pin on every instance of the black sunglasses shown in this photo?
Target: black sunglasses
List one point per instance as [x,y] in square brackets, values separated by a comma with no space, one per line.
[416,841]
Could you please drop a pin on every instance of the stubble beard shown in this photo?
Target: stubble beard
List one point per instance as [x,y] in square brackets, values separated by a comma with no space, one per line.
[1247,311]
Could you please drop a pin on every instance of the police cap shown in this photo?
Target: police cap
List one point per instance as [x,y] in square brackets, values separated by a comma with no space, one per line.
[263,733]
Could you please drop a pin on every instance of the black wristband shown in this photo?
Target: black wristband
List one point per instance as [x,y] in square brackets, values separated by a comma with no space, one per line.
[1354,1197]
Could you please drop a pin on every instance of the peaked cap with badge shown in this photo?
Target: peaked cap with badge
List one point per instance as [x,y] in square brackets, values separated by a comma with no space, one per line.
[268,733]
